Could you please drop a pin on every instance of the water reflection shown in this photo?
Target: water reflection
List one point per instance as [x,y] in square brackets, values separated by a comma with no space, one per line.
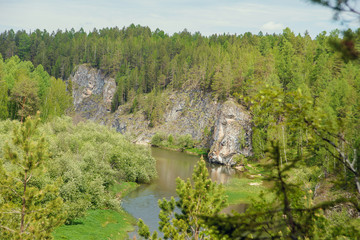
[142,203]
[219,173]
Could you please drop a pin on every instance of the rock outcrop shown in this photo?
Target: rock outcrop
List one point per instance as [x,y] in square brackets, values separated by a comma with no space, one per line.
[92,93]
[224,128]
[232,134]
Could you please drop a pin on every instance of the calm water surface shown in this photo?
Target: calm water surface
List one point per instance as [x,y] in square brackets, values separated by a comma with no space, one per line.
[142,203]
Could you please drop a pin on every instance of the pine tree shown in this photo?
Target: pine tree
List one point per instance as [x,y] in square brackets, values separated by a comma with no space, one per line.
[29,209]
[201,198]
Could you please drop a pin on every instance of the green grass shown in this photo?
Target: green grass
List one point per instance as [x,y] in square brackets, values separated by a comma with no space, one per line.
[256,169]
[192,151]
[198,151]
[98,225]
[123,188]
[239,190]
[101,224]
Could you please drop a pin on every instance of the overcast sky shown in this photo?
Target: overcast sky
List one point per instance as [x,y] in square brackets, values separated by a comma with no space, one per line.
[206,16]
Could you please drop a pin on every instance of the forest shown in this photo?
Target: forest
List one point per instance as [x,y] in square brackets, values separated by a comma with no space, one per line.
[303,94]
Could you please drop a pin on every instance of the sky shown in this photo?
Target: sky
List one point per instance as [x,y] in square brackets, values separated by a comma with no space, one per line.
[204,16]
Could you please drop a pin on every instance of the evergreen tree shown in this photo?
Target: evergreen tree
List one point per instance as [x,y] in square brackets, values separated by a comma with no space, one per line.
[29,209]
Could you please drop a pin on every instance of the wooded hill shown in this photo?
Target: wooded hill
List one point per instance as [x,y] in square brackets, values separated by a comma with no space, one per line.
[244,66]
[142,60]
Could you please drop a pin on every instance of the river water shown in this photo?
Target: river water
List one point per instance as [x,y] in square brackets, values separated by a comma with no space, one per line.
[143,202]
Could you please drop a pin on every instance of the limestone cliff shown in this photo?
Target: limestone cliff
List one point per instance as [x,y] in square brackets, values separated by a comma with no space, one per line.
[232,134]
[92,93]
[186,112]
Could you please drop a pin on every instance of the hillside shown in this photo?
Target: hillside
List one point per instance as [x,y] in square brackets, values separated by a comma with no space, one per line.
[222,127]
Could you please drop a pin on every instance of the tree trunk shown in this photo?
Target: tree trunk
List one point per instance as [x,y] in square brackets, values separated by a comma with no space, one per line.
[23,205]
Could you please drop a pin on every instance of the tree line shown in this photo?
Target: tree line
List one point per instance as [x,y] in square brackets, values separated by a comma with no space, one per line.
[142,60]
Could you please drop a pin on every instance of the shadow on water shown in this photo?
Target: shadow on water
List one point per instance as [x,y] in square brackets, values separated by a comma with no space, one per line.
[143,202]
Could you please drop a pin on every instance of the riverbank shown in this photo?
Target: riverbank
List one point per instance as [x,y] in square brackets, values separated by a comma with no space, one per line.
[102,223]
[191,151]
[249,186]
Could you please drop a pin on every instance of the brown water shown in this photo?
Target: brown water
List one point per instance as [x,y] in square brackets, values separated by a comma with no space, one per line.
[142,203]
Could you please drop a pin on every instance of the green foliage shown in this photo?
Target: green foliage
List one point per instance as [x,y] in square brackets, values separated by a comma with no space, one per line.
[57,99]
[299,90]
[198,151]
[183,142]
[26,90]
[240,159]
[171,139]
[143,62]
[206,132]
[290,215]
[3,100]
[202,197]
[90,159]
[29,208]
[157,139]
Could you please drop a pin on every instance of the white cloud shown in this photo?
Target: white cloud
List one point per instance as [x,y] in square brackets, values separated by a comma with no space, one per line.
[272,26]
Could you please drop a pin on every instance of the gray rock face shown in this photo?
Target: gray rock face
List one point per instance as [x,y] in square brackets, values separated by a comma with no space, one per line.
[232,134]
[185,113]
[92,93]
[224,128]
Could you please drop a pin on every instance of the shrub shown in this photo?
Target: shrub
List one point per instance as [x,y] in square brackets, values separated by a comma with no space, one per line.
[185,141]
[240,159]
[89,158]
[157,139]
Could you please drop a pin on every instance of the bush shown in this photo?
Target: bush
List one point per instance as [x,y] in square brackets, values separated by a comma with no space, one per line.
[157,140]
[240,159]
[170,139]
[185,141]
[89,158]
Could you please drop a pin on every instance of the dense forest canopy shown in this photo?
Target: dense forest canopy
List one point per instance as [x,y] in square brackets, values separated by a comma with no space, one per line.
[142,60]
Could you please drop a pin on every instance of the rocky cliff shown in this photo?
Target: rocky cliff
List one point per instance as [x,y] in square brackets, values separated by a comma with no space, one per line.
[232,134]
[92,93]
[223,127]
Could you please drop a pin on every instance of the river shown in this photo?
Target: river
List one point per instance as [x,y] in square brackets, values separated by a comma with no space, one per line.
[142,203]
